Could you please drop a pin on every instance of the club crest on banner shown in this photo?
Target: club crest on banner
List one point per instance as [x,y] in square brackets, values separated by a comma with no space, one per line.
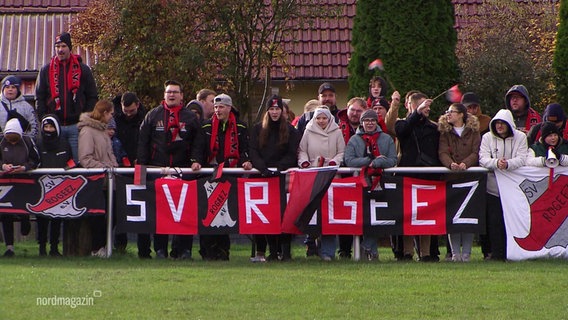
[59,196]
[218,205]
[549,209]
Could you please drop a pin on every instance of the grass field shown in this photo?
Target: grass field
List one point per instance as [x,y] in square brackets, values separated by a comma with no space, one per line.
[125,287]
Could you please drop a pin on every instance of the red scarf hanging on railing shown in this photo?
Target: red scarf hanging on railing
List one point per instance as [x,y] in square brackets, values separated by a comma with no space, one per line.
[372,149]
[231,148]
[73,79]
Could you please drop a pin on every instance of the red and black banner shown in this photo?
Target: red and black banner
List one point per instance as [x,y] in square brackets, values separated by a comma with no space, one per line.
[57,196]
[258,206]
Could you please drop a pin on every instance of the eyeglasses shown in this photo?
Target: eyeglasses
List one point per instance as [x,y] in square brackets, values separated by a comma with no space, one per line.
[173,92]
[451,111]
[368,120]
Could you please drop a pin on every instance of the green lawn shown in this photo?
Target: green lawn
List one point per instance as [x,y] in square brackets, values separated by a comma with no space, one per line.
[125,287]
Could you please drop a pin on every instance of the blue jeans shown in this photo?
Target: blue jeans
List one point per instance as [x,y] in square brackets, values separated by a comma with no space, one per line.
[71,134]
[328,246]
[370,243]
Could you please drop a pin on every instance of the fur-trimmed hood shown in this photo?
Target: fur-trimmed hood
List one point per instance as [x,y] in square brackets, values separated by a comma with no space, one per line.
[86,120]
[444,126]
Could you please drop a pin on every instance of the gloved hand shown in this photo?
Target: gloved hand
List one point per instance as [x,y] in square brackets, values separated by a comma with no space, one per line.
[305,164]
[269,173]
[332,163]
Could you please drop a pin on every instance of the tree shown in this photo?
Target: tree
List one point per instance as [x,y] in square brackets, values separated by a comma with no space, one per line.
[416,42]
[140,44]
[561,56]
[250,33]
[229,45]
[509,43]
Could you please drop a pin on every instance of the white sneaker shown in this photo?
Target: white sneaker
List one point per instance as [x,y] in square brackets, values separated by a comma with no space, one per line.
[465,257]
[456,257]
[101,253]
[258,259]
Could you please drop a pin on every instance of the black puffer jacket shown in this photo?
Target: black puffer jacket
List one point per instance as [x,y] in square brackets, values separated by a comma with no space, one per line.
[153,147]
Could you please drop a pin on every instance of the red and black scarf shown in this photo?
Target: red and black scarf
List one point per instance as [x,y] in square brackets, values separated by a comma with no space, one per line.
[231,147]
[73,79]
[172,121]
[372,148]
[345,130]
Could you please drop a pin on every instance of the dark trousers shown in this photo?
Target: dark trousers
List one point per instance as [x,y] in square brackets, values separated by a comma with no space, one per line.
[215,247]
[98,231]
[8,228]
[496,228]
[345,243]
[49,226]
[143,242]
[179,242]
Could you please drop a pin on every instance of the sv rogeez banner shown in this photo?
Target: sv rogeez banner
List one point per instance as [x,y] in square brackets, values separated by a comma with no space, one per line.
[255,206]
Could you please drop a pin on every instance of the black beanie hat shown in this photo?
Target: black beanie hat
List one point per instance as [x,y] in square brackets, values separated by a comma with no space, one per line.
[547,129]
[64,37]
[275,101]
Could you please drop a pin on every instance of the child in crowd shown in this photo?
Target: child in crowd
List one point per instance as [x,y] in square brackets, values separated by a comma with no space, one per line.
[54,153]
[18,153]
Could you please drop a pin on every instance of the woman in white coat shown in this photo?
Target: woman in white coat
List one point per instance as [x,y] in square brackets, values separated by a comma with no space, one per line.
[322,145]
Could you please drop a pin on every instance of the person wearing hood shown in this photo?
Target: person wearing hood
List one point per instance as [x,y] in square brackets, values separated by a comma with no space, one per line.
[517,101]
[322,145]
[197,108]
[459,150]
[18,153]
[273,144]
[227,144]
[550,139]
[552,113]
[502,148]
[370,148]
[54,153]
[14,104]
[95,151]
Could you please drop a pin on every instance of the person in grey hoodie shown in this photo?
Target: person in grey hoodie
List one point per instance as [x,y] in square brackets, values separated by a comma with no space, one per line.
[502,148]
[518,102]
[13,101]
[372,148]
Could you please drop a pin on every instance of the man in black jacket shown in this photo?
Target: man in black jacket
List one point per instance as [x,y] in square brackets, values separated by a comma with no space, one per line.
[227,143]
[170,136]
[66,87]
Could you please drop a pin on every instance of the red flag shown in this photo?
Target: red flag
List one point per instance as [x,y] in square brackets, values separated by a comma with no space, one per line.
[376,64]
[306,193]
[139,174]
[454,94]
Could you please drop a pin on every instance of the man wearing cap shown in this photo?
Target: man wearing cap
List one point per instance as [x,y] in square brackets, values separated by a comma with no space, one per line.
[170,136]
[66,87]
[370,147]
[226,140]
[555,114]
[14,103]
[518,102]
[326,97]
[471,101]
